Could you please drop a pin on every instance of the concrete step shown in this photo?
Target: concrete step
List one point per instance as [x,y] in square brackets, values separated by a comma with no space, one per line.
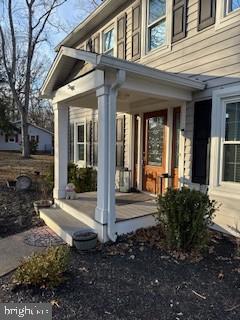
[62,223]
[81,212]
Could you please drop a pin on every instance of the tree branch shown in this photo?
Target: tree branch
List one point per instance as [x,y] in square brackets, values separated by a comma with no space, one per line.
[8,71]
[13,38]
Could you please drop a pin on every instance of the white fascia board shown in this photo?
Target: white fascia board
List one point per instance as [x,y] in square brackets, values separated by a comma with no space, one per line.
[90,57]
[144,71]
[155,89]
[80,86]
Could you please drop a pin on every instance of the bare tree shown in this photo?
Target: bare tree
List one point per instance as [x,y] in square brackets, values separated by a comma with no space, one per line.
[18,50]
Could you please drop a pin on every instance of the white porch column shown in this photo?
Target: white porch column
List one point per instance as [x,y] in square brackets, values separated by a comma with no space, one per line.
[101,211]
[60,150]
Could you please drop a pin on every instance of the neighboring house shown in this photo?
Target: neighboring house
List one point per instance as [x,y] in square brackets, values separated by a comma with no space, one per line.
[12,142]
[171,71]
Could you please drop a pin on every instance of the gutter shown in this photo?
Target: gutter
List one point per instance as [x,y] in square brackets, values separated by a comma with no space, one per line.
[111,219]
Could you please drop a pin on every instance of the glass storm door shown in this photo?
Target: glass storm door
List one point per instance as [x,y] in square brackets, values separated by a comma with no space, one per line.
[154,154]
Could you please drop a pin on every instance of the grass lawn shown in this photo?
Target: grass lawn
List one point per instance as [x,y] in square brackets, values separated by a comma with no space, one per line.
[12,165]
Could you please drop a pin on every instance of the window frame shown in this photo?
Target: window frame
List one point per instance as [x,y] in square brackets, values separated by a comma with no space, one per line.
[155,23]
[112,26]
[227,10]
[224,142]
[223,19]
[13,137]
[167,46]
[81,163]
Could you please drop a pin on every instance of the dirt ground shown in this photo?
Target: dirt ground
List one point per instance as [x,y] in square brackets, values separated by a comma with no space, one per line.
[131,280]
[13,165]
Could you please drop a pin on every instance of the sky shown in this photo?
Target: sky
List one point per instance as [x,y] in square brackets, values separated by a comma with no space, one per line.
[71,14]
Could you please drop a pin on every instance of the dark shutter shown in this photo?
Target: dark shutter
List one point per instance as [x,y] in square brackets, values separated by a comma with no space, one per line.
[136,31]
[71,142]
[201,141]
[207,13]
[179,19]
[121,37]
[96,43]
[120,127]
[95,143]
[6,138]
[89,45]
[37,139]
[89,143]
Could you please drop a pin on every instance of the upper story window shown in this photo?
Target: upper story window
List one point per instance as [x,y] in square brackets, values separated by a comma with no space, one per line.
[156,23]
[231,5]
[108,41]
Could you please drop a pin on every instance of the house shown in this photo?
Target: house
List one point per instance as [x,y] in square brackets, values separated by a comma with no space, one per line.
[159,82]
[12,142]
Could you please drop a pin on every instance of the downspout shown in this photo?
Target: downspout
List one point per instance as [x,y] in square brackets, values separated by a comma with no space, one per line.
[111,225]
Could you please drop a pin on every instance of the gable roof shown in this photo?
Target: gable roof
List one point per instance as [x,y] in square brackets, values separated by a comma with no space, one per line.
[104,10]
[67,57]
[35,126]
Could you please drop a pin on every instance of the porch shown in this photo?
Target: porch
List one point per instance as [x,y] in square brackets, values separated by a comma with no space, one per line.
[133,211]
[80,79]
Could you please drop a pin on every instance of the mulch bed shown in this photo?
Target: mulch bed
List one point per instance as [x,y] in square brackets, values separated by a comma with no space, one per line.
[134,279]
[16,211]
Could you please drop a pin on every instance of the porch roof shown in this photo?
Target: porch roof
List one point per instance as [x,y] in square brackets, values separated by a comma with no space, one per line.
[68,57]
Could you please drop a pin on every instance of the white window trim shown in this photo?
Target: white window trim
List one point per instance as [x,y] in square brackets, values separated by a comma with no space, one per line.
[220,99]
[112,26]
[145,52]
[80,163]
[225,102]
[13,138]
[223,20]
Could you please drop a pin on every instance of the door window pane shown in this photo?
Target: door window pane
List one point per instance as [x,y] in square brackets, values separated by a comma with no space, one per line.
[155,140]
[157,9]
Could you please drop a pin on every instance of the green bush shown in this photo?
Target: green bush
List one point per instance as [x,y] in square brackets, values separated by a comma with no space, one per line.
[84,179]
[33,145]
[44,269]
[185,215]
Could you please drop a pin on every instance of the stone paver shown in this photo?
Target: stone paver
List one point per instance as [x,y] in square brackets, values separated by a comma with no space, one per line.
[15,248]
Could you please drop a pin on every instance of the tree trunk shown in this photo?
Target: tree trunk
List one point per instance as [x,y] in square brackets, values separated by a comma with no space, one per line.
[25,140]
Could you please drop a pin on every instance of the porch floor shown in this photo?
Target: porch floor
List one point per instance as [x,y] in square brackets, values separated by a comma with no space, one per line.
[128,205]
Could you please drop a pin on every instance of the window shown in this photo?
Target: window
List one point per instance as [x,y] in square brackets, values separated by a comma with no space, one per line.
[156,23]
[108,42]
[81,142]
[231,5]
[11,139]
[231,148]
[95,144]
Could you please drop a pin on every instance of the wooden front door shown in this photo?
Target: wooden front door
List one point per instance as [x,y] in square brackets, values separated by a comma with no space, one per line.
[154,150]
[175,146]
